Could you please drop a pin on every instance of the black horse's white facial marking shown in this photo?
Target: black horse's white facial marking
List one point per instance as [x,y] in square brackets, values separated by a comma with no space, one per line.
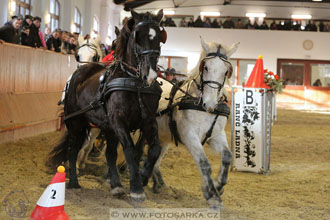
[152,33]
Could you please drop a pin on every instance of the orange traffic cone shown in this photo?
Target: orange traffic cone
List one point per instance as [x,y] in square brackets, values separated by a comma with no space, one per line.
[256,79]
[50,206]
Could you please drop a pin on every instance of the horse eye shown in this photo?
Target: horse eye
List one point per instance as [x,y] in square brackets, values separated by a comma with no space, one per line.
[205,68]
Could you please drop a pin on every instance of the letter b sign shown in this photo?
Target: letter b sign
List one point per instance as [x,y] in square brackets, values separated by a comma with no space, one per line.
[249,97]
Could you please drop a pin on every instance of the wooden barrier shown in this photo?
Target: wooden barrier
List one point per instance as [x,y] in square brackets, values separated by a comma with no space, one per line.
[31,81]
[306,98]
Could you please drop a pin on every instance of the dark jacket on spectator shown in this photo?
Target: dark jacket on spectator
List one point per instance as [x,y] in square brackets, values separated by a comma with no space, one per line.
[34,37]
[54,43]
[9,34]
[190,23]
[25,39]
[198,22]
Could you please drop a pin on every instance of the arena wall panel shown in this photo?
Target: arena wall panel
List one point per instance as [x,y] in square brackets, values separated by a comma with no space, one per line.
[31,81]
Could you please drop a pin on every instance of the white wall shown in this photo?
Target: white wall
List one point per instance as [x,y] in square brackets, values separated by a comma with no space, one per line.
[272,45]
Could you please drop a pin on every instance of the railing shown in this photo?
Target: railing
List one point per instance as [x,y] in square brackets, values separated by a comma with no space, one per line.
[31,82]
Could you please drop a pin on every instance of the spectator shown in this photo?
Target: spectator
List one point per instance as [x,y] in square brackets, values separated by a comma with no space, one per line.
[47,33]
[280,25]
[34,38]
[215,23]
[207,23]
[327,28]
[65,47]
[104,50]
[72,45]
[321,26]
[10,31]
[172,24]
[191,22]
[313,27]
[249,25]
[76,35]
[198,22]
[27,21]
[228,23]
[287,25]
[183,23]
[239,24]
[25,35]
[317,83]
[273,25]
[296,26]
[255,25]
[264,26]
[54,42]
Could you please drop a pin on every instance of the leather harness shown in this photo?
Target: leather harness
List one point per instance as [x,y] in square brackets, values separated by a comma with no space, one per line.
[193,103]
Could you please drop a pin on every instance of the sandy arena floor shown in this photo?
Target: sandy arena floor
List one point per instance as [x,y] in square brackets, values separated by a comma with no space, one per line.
[298,186]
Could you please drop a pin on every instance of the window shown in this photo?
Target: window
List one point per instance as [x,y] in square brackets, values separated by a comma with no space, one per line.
[96,26]
[242,69]
[180,64]
[54,14]
[23,7]
[77,21]
[320,75]
[308,73]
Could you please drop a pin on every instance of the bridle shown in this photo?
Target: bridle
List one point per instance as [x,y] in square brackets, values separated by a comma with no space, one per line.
[147,52]
[96,57]
[213,84]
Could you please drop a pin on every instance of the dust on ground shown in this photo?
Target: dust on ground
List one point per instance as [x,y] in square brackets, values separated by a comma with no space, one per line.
[298,186]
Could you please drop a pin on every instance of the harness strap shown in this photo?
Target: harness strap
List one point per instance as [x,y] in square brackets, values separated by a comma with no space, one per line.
[209,132]
[91,106]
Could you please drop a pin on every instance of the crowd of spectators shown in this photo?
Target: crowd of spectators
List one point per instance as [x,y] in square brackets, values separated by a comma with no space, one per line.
[26,31]
[239,24]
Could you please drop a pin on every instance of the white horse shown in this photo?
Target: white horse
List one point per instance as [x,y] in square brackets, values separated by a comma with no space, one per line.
[87,51]
[206,84]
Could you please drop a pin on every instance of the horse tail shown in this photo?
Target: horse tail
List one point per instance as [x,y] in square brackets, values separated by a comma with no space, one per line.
[59,154]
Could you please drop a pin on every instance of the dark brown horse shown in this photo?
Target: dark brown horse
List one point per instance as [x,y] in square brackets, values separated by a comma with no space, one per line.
[120,99]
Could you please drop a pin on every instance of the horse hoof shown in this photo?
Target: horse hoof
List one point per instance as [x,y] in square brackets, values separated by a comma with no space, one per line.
[138,197]
[215,203]
[157,188]
[73,186]
[117,191]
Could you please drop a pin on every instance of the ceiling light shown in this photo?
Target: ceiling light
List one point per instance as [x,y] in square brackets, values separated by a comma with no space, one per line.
[210,13]
[301,16]
[317,0]
[255,15]
[167,12]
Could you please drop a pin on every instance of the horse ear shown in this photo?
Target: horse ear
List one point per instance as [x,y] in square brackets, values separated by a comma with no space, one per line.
[80,40]
[135,15]
[205,46]
[232,49]
[160,15]
[117,31]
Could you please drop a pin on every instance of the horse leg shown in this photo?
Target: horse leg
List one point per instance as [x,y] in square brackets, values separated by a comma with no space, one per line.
[150,131]
[220,145]
[87,147]
[111,156]
[209,191]
[136,188]
[156,175]
[77,133]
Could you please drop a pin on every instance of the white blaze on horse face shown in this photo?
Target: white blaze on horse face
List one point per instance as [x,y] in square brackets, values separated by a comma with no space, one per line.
[152,76]
[152,33]
[214,70]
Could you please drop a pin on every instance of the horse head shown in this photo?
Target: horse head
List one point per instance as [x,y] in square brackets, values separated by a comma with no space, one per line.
[139,43]
[214,70]
[89,50]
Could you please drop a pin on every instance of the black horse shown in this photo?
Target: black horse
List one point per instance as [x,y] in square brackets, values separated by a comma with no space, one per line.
[120,99]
